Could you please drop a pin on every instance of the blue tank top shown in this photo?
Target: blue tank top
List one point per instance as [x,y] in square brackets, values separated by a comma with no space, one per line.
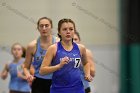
[38,58]
[16,83]
[69,75]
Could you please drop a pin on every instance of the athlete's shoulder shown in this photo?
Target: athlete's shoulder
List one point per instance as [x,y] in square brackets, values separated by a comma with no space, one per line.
[88,51]
[81,46]
[53,46]
[52,49]
[32,44]
[31,47]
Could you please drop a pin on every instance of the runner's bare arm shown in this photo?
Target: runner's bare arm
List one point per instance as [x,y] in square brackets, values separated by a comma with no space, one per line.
[4,72]
[91,61]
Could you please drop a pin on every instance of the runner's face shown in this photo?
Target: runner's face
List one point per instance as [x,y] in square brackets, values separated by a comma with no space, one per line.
[44,27]
[76,39]
[17,51]
[67,31]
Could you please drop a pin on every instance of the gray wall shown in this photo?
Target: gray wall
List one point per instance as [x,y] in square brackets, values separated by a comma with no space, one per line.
[96,20]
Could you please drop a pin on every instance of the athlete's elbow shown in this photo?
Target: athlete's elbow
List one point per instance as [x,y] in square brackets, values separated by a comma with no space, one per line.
[92,73]
[43,71]
[3,77]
